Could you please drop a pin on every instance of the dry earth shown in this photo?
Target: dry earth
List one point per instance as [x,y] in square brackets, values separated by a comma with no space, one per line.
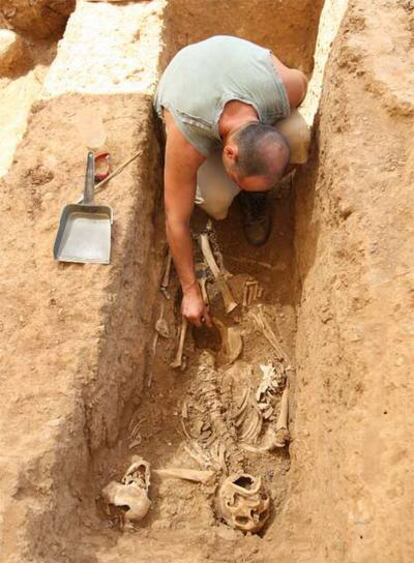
[78,372]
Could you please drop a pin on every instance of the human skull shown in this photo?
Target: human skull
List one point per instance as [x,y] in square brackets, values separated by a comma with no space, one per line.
[243,503]
[132,493]
[133,501]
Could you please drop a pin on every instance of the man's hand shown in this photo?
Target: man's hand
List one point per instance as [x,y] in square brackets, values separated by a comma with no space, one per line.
[193,307]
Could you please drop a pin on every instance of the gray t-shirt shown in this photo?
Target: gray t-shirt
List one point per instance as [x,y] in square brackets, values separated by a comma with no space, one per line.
[203,77]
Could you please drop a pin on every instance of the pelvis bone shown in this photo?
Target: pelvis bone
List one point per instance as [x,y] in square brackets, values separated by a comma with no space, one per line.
[132,493]
[243,503]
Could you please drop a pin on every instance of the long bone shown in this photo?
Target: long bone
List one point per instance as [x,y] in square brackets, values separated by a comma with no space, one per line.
[166,276]
[161,329]
[279,437]
[186,474]
[212,236]
[282,431]
[263,325]
[178,360]
[228,299]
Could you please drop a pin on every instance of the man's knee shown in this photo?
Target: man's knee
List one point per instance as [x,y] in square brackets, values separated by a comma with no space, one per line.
[297,133]
[299,86]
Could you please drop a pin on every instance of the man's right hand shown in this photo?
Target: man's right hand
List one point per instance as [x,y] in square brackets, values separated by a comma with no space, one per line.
[193,307]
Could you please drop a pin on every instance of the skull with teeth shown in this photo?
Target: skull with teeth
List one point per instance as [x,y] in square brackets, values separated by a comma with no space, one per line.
[243,503]
[132,493]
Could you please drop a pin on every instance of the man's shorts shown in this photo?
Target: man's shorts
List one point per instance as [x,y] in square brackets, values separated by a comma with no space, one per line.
[216,191]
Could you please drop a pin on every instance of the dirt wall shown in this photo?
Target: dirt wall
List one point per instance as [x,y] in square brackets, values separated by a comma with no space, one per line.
[287,27]
[350,494]
[73,337]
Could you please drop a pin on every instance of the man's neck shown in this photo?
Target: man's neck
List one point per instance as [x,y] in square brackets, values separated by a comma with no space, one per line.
[235,115]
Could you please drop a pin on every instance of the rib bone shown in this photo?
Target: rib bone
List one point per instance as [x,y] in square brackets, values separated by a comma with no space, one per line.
[263,325]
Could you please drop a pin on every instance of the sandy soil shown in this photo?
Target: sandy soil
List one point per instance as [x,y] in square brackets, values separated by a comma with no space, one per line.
[350,493]
[81,388]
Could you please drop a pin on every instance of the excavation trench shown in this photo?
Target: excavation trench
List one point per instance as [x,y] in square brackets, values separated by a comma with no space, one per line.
[183,512]
[125,399]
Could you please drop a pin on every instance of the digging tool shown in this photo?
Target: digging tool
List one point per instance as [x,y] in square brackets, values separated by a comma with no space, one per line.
[84,233]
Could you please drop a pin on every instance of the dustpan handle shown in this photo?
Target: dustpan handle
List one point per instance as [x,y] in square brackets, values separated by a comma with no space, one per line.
[89,179]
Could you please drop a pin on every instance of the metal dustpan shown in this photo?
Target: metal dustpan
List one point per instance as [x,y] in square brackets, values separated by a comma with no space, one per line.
[84,233]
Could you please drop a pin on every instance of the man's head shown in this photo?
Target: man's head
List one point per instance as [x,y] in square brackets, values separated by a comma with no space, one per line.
[255,156]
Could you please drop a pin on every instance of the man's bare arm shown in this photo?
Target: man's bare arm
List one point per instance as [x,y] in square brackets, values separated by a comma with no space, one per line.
[180,177]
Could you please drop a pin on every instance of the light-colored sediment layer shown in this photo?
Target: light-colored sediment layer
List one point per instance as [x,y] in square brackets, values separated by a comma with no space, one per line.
[331,17]
[16,98]
[22,71]
[108,49]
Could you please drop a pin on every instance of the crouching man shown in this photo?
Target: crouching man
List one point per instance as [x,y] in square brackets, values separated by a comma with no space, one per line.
[220,100]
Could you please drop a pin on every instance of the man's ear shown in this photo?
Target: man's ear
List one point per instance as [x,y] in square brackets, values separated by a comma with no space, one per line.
[231,152]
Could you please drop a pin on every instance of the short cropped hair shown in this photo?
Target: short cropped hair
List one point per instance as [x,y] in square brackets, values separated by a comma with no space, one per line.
[254,157]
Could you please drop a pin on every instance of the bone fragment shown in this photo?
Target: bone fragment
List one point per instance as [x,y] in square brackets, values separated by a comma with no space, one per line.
[229,302]
[253,430]
[273,381]
[240,414]
[245,292]
[279,437]
[265,328]
[212,235]
[218,454]
[232,342]
[161,325]
[135,443]
[186,474]
[254,291]
[196,453]
[166,276]
[282,432]
[178,360]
